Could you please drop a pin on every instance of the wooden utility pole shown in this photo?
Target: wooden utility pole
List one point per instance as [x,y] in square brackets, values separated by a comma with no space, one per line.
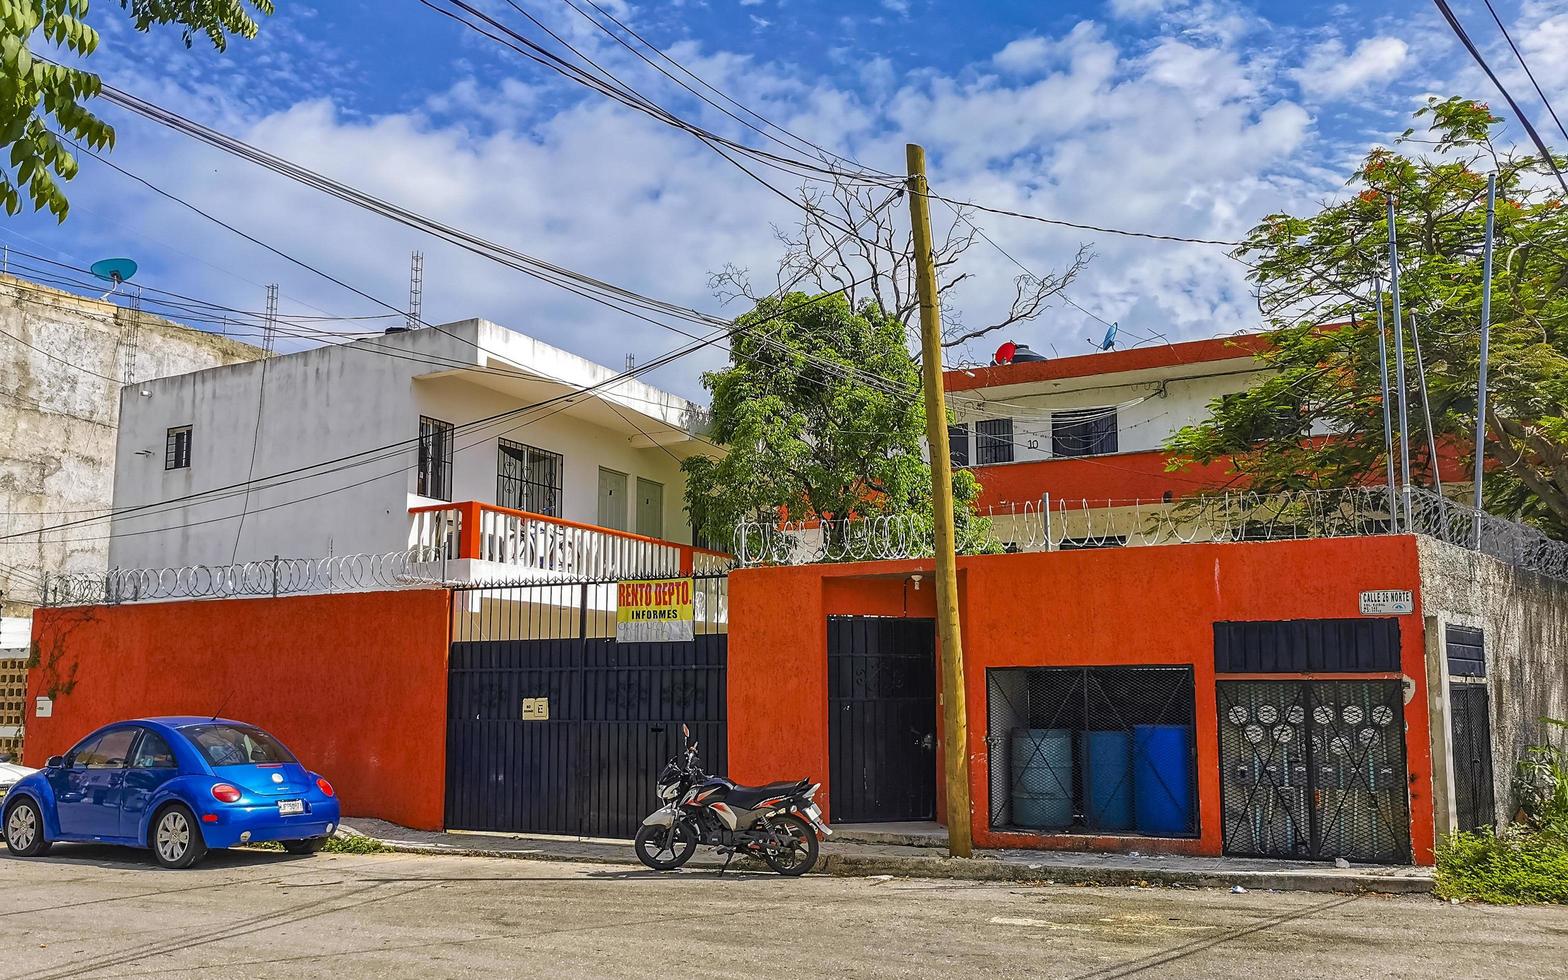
[955,715]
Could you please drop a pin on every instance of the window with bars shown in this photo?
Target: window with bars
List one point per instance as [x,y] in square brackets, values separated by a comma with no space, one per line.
[528,478]
[1105,750]
[993,441]
[958,444]
[435,459]
[177,448]
[1083,432]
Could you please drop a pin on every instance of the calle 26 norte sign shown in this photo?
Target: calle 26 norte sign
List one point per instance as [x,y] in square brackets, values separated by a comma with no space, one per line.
[653,611]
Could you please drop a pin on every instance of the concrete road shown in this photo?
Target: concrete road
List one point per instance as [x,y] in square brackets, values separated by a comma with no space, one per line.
[105,912]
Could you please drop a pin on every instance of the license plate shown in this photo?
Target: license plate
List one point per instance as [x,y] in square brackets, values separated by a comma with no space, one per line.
[291,808]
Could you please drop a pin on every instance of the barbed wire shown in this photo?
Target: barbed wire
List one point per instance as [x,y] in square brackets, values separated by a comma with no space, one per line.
[410,568]
[1233,516]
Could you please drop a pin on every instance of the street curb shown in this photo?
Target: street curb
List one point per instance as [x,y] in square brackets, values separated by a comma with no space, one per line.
[981,869]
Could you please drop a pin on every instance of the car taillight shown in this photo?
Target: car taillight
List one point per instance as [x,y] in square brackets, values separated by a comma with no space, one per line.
[324,786]
[224,793]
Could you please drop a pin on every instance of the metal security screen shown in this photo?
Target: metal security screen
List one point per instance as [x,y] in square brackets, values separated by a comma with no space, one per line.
[1314,769]
[1092,749]
[528,478]
[553,727]
[1471,721]
[434,478]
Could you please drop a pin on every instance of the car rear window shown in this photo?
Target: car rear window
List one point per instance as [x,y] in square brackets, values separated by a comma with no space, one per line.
[236,745]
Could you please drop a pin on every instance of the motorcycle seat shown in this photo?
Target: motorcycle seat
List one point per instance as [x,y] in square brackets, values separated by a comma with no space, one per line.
[748,797]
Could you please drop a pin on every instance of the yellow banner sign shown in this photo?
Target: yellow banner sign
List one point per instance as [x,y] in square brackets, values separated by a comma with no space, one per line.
[653,611]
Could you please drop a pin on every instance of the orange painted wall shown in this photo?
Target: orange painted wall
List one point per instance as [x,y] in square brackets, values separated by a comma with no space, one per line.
[1153,605]
[355,684]
[1097,479]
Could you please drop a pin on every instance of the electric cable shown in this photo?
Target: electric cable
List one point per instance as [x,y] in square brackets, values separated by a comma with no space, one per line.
[1526,66]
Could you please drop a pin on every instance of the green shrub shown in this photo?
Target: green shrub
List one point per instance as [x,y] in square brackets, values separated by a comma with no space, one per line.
[1518,867]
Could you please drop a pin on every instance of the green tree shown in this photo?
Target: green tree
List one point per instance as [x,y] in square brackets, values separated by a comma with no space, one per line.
[42,102]
[820,413]
[1314,277]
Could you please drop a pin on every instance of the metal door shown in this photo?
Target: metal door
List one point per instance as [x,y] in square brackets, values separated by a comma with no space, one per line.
[1314,769]
[555,728]
[650,508]
[613,508]
[881,718]
[1470,719]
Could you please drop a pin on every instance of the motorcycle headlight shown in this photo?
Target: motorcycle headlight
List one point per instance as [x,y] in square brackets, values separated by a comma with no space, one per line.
[668,791]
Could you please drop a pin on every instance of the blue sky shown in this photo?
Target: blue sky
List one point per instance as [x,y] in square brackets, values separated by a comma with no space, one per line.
[1192,117]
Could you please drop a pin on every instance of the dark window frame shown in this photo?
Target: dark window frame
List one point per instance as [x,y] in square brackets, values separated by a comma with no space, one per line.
[177,447]
[993,441]
[958,444]
[138,756]
[521,489]
[1084,432]
[434,478]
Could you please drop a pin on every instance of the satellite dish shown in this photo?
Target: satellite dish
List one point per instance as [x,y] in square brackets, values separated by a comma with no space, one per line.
[1004,354]
[1110,338]
[114,270]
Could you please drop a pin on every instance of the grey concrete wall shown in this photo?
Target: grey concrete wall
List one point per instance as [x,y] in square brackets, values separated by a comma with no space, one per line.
[1524,617]
[62,360]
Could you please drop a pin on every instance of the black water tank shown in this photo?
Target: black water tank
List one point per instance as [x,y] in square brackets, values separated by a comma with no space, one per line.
[1023,355]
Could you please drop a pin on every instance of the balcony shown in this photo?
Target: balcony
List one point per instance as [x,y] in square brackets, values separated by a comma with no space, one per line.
[486,543]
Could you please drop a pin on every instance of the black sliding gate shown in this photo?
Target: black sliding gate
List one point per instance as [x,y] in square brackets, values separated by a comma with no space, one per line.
[882,718]
[555,728]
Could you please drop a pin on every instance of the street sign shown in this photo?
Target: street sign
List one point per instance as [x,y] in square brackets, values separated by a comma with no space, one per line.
[1387,602]
[536,709]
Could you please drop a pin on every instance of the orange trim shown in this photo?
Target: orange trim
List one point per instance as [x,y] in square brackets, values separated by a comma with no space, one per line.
[471,509]
[1108,362]
[1124,477]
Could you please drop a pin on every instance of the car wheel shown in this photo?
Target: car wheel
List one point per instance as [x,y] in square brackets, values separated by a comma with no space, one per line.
[175,838]
[24,830]
[309,846]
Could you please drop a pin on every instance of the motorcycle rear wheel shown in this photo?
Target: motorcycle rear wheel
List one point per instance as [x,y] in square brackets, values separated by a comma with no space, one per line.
[799,855]
[665,848]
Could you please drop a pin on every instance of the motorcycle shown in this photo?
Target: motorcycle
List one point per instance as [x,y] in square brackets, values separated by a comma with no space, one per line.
[779,823]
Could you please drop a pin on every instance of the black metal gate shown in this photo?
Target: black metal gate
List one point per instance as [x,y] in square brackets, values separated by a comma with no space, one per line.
[1314,769]
[555,728]
[882,718]
[1471,722]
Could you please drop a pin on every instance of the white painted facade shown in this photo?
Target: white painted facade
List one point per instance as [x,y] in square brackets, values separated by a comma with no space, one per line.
[364,400]
[1148,405]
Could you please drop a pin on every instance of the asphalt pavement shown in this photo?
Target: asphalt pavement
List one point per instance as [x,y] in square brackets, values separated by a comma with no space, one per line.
[91,911]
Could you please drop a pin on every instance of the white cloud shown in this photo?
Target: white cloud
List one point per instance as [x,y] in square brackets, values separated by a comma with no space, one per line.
[1188,133]
[1023,54]
[1330,72]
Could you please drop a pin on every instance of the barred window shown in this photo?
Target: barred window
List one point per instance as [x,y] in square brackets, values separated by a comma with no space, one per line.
[994,441]
[1083,432]
[435,459]
[528,478]
[177,448]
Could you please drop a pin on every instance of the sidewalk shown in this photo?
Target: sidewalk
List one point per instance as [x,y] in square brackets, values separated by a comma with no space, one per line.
[868,853]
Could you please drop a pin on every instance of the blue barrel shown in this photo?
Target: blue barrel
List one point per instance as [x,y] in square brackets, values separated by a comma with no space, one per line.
[1107,780]
[1162,779]
[1042,765]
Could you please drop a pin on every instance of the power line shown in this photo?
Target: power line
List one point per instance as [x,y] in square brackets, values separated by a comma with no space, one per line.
[1101,229]
[1464,38]
[1526,66]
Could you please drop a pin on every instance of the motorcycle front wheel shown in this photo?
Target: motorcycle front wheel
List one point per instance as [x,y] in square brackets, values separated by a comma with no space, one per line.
[798,848]
[665,848]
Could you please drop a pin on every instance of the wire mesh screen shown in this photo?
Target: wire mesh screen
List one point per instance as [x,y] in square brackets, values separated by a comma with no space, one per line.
[1470,718]
[1106,750]
[1314,769]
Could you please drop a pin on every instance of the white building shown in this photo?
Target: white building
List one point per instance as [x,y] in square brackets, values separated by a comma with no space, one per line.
[467,435]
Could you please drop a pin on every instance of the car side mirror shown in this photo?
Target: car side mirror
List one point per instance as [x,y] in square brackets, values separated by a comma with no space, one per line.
[55,762]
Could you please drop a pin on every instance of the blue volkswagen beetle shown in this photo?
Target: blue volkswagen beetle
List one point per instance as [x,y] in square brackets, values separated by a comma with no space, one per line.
[180,786]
